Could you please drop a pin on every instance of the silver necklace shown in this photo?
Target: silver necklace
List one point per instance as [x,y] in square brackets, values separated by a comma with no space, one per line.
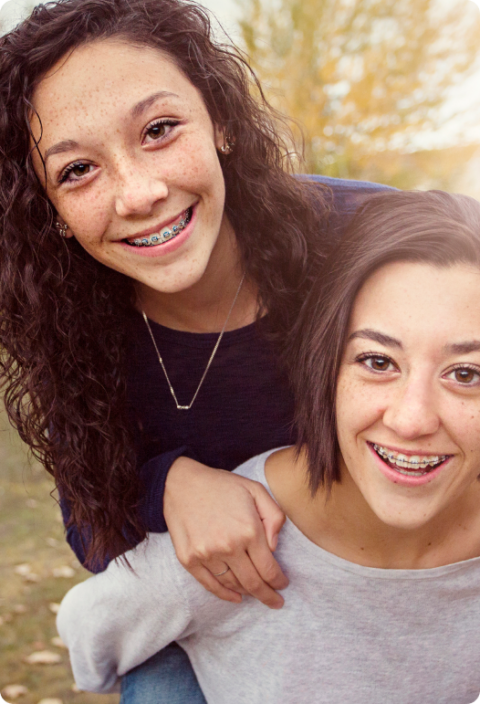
[187,408]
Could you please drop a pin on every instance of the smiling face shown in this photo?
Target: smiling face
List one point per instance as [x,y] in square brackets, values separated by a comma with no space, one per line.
[408,392]
[132,165]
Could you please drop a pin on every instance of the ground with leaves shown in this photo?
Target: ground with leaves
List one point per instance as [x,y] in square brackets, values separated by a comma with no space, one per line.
[36,569]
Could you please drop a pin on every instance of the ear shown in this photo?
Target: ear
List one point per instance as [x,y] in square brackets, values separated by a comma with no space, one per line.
[220,137]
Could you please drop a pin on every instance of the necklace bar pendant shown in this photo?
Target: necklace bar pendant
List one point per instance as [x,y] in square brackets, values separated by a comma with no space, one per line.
[187,408]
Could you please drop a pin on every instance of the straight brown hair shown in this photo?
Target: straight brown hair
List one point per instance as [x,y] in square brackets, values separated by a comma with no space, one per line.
[426,227]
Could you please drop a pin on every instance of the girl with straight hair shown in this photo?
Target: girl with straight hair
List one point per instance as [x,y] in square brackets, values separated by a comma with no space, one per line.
[382,495]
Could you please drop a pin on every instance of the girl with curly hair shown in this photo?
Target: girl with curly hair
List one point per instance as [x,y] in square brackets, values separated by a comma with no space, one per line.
[155,248]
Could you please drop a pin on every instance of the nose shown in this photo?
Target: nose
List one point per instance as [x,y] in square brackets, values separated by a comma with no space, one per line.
[412,410]
[137,190]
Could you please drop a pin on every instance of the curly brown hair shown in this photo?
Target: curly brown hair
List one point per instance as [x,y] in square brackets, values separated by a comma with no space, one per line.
[62,329]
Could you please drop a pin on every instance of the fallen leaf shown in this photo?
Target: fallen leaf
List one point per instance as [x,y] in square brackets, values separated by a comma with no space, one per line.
[64,571]
[32,577]
[23,570]
[54,608]
[58,642]
[13,691]
[43,657]
[20,609]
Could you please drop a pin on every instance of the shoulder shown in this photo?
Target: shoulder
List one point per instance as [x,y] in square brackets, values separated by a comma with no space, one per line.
[346,193]
[343,197]
[142,565]
[342,186]
[148,580]
[254,468]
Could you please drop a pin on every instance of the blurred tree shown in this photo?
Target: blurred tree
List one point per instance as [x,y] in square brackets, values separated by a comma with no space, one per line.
[364,78]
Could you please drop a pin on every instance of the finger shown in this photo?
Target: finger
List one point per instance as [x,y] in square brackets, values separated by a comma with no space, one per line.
[231,582]
[218,570]
[267,566]
[211,583]
[228,578]
[270,514]
[252,582]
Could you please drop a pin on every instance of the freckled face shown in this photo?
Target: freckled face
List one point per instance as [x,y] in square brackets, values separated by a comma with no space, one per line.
[131,154]
[409,390]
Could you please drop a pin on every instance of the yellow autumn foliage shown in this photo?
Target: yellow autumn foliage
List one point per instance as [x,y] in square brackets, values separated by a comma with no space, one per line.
[365,79]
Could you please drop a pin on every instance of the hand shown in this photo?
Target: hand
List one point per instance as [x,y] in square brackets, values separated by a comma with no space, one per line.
[216,520]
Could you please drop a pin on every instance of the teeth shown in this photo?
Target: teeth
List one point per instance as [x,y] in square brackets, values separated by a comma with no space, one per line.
[411,474]
[160,237]
[402,461]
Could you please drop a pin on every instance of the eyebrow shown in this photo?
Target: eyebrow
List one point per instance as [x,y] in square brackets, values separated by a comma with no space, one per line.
[65,146]
[388,341]
[376,336]
[144,104]
[68,144]
[463,347]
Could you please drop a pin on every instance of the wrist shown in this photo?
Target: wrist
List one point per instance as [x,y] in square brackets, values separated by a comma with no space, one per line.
[182,473]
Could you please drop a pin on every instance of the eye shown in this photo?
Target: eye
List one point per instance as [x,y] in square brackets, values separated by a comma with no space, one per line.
[75,171]
[158,130]
[377,362]
[467,376]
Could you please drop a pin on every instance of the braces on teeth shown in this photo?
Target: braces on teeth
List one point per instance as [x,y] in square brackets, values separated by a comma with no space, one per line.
[402,461]
[164,236]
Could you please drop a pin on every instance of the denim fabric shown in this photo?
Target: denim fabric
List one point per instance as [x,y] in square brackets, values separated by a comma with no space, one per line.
[167,678]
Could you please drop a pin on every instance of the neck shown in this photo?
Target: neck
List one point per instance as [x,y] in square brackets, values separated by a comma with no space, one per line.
[344,524]
[204,306]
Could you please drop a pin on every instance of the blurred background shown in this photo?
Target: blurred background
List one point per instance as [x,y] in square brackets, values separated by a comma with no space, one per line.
[382,90]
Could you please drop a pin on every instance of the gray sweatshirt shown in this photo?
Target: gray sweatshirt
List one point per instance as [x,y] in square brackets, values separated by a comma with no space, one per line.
[347,634]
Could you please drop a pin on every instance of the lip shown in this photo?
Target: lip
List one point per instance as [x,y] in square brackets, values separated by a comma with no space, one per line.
[403,479]
[157,228]
[162,249]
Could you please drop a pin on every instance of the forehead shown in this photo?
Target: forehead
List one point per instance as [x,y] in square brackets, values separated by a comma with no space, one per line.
[107,76]
[421,302]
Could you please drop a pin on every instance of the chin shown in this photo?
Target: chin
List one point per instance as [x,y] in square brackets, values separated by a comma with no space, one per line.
[178,281]
[408,521]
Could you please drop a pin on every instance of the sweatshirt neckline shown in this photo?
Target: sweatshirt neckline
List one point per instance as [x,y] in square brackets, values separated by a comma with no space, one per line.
[319,553]
[200,339]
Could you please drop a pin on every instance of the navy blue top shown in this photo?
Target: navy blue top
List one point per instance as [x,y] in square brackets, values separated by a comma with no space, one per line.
[243,408]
